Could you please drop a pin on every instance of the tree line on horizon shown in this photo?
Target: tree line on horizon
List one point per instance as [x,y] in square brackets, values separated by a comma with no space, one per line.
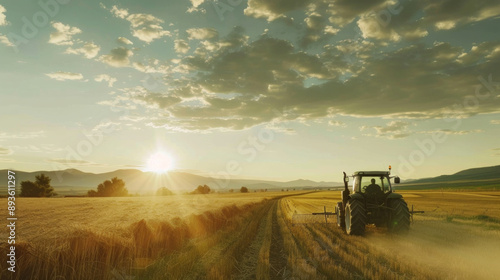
[40,188]
[109,188]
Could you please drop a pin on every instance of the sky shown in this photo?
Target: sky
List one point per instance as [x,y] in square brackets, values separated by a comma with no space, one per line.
[265,89]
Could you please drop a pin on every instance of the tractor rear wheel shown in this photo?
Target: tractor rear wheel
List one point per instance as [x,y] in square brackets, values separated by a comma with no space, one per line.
[400,218]
[355,217]
[339,209]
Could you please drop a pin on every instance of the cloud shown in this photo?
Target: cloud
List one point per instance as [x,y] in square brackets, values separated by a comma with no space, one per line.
[4,40]
[235,39]
[453,132]
[413,20]
[392,130]
[3,18]
[145,27]
[70,161]
[393,21]
[106,126]
[119,13]
[63,34]
[89,50]
[392,127]
[315,26]
[24,135]
[379,19]
[495,121]
[195,4]
[243,84]
[5,151]
[272,10]
[282,68]
[202,33]
[118,57]
[371,28]
[331,30]
[443,17]
[63,76]
[140,97]
[123,40]
[336,123]
[151,66]
[347,57]
[342,12]
[181,46]
[105,78]
[39,148]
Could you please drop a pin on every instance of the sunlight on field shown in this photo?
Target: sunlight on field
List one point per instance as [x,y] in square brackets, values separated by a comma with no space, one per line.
[467,204]
[252,236]
[451,240]
[48,218]
[89,238]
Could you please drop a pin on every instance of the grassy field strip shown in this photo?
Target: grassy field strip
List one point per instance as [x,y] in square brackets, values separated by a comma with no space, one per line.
[263,268]
[254,262]
[84,254]
[298,259]
[105,215]
[277,254]
[214,257]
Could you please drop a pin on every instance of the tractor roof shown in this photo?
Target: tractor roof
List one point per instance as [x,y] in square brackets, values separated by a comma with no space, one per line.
[371,173]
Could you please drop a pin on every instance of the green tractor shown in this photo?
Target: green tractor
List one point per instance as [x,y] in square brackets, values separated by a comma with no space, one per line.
[372,201]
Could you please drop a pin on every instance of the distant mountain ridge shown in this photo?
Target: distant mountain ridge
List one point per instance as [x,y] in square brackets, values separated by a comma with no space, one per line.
[74,181]
[472,174]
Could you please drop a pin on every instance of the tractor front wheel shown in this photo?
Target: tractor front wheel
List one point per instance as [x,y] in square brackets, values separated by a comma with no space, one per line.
[400,218]
[355,217]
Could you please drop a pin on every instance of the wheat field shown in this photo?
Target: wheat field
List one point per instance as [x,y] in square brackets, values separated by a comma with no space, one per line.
[251,236]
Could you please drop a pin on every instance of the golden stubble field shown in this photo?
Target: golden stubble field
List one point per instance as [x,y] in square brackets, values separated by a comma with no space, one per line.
[457,237]
[251,236]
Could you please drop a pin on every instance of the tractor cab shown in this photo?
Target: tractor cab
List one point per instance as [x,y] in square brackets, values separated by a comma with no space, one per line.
[371,182]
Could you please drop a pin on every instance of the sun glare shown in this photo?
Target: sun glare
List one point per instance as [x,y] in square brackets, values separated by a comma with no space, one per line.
[160,162]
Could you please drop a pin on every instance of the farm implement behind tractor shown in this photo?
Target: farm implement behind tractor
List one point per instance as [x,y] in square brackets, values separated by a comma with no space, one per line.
[371,200]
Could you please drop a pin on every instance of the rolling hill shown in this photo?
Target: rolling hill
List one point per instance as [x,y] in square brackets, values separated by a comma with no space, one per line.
[76,182]
[481,173]
[73,181]
[473,177]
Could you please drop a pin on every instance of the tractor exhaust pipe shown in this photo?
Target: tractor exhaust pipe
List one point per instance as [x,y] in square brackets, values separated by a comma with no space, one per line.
[345,192]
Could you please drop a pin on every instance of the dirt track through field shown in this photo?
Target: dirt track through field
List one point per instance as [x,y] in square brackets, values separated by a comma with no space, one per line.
[266,256]
[249,263]
[277,254]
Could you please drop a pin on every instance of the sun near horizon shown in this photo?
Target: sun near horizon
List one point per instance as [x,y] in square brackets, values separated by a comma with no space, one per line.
[159,162]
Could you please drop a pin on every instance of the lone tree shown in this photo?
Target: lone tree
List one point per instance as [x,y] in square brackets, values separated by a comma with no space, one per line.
[163,191]
[40,188]
[244,189]
[115,187]
[202,190]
